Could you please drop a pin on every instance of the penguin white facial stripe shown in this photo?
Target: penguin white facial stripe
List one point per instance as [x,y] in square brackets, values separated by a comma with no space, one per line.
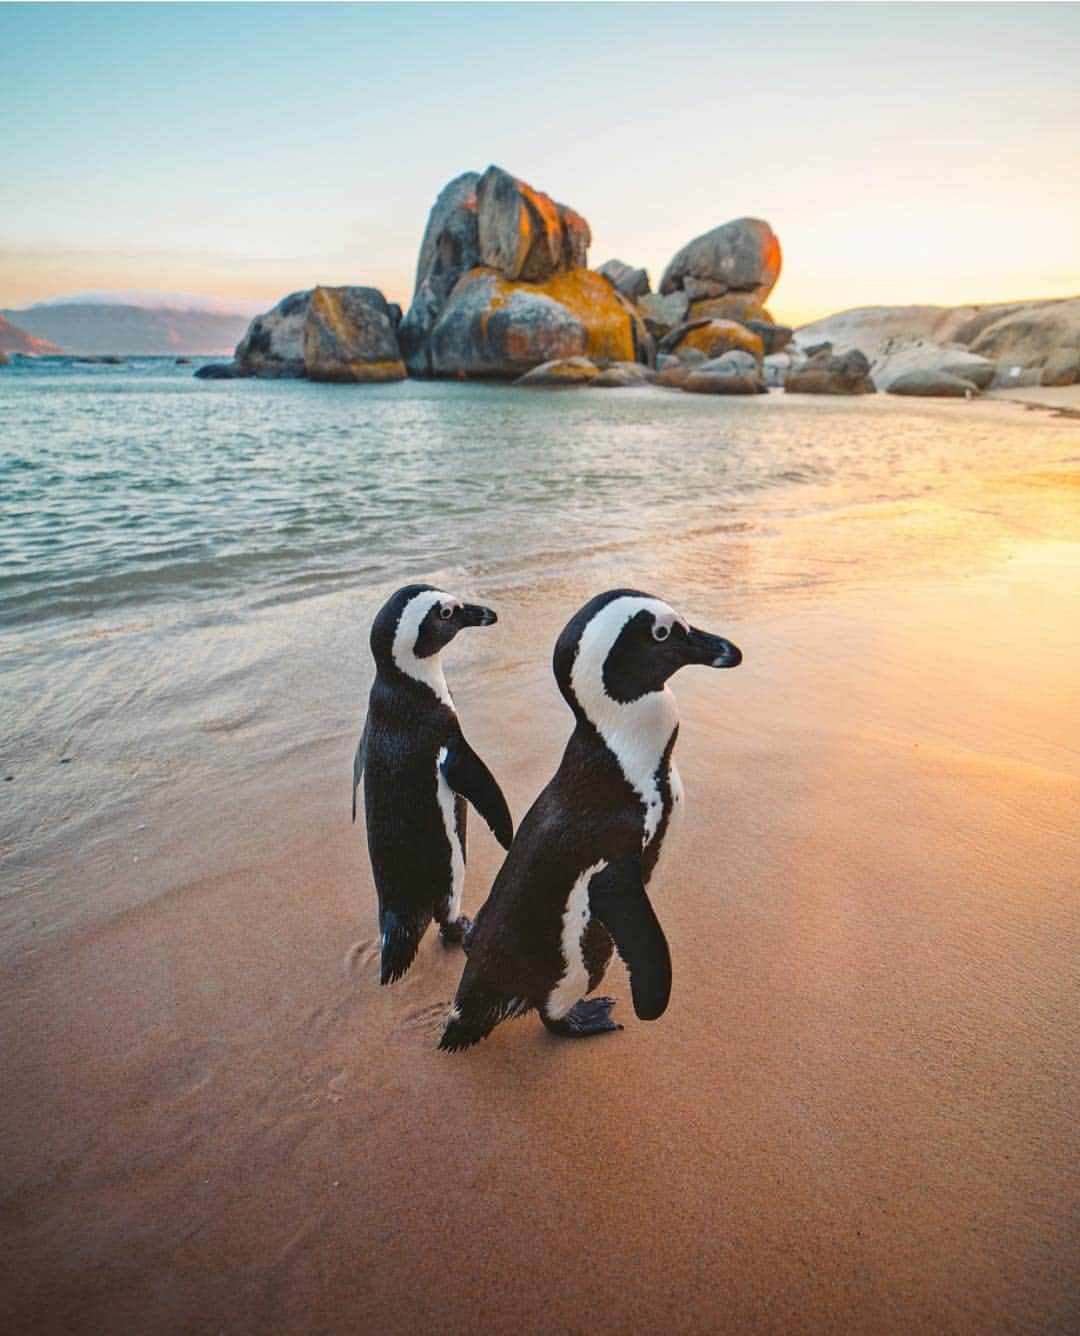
[637,732]
[445,795]
[429,670]
[575,979]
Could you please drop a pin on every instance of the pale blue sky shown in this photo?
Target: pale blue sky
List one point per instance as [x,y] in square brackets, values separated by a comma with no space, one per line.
[901,152]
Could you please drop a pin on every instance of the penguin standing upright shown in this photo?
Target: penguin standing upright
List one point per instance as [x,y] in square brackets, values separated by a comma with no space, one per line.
[418,770]
[574,880]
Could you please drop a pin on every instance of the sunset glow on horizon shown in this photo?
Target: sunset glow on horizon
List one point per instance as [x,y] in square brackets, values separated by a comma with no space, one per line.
[903,154]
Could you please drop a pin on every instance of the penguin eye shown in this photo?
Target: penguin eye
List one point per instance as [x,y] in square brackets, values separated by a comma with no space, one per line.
[661,632]
[446,612]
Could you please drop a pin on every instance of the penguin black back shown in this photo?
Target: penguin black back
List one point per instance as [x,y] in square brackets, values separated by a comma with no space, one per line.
[418,771]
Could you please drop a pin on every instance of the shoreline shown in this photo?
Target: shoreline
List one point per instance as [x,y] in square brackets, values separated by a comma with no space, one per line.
[856,1115]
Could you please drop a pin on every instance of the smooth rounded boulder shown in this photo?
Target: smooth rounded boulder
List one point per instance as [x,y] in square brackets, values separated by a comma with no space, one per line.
[623,376]
[562,373]
[826,372]
[740,256]
[735,372]
[632,283]
[933,384]
[349,337]
[712,338]
[525,298]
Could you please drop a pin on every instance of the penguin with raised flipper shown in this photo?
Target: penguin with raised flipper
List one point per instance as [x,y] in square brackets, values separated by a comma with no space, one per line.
[574,880]
[418,772]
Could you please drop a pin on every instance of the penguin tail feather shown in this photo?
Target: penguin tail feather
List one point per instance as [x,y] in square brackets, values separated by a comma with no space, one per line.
[470,1023]
[400,941]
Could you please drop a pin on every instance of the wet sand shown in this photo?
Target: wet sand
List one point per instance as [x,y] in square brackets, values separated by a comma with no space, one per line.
[858,1114]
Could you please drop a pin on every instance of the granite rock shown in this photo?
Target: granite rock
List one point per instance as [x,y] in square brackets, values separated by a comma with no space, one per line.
[713,338]
[560,374]
[901,355]
[222,371]
[349,337]
[449,249]
[826,372]
[734,372]
[663,314]
[274,343]
[622,376]
[933,384]
[632,283]
[740,256]
[1062,367]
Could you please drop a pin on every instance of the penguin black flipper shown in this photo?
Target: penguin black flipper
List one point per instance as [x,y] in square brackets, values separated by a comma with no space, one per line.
[617,897]
[358,767]
[468,776]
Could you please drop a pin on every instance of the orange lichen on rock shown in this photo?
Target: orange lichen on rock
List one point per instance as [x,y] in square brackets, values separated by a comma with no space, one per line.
[721,336]
[598,306]
[348,338]
[740,306]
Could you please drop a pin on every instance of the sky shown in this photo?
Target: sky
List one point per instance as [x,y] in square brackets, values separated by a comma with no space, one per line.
[902,153]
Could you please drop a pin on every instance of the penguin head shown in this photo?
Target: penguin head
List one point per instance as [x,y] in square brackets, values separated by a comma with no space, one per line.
[417,622]
[624,645]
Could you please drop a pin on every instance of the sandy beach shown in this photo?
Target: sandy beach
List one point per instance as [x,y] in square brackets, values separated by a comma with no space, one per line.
[858,1114]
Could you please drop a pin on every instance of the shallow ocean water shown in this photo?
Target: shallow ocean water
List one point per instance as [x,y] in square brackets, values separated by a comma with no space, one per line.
[188,569]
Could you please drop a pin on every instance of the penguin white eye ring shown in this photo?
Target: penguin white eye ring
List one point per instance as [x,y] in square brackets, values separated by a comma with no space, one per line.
[660,631]
[446,611]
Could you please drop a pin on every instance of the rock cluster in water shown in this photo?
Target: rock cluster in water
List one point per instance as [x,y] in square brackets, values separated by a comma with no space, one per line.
[503,290]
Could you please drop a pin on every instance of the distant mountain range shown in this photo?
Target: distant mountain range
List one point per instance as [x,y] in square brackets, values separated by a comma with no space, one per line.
[148,323]
[16,340]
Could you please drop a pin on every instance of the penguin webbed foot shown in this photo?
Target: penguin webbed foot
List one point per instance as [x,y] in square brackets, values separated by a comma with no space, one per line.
[456,931]
[587,1017]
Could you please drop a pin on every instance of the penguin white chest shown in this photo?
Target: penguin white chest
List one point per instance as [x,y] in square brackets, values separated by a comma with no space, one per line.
[574,982]
[674,819]
[447,806]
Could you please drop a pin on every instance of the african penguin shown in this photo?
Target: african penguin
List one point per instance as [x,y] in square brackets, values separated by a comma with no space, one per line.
[418,770]
[574,880]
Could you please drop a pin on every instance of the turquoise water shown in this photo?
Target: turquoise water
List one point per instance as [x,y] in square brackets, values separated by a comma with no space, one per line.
[188,569]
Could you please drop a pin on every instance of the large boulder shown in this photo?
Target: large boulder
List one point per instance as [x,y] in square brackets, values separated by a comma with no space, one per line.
[675,375]
[623,376]
[1027,337]
[221,371]
[632,283]
[450,248]
[900,356]
[524,298]
[274,343]
[349,336]
[663,314]
[560,374]
[740,256]
[1062,367]
[935,384]
[340,334]
[777,365]
[735,372]
[713,338]
[494,328]
[523,233]
[827,372]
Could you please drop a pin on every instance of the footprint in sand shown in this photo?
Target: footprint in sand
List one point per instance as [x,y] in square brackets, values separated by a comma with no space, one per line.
[428,1020]
[362,955]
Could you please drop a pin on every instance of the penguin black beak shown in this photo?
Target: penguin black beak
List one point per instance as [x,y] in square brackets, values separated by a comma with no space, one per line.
[474,615]
[712,651]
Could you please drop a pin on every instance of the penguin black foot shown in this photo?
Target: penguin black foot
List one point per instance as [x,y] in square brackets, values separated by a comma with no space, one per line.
[592,1016]
[455,932]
